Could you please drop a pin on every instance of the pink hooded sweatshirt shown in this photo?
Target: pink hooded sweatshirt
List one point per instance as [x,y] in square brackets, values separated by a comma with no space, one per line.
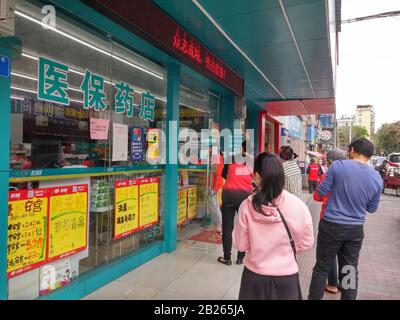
[265,240]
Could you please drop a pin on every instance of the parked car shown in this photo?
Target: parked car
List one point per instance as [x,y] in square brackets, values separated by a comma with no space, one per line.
[394,160]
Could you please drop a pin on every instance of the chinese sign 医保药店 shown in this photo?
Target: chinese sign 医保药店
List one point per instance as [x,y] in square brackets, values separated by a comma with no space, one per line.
[148,202]
[53,86]
[27,216]
[126,219]
[68,214]
[99,129]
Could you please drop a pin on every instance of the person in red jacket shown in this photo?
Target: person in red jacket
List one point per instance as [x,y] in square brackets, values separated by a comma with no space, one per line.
[238,186]
[217,165]
[333,155]
[314,171]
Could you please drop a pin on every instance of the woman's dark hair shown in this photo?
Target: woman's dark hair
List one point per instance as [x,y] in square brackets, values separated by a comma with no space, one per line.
[270,168]
[286,153]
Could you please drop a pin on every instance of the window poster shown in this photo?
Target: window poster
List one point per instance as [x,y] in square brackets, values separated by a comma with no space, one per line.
[126,220]
[54,275]
[120,142]
[99,129]
[192,202]
[68,212]
[153,144]
[137,144]
[27,223]
[148,202]
[182,206]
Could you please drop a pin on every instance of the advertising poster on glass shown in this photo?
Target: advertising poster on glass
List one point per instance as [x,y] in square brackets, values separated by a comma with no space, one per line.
[68,216]
[137,144]
[148,213]
[126,218]
[27,226]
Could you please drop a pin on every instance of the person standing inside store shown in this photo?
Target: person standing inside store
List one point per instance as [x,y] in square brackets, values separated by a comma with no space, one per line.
[333,281]
[293,181]
[355,188]
[217,166]
[314,171]
[273,226]
[238,186]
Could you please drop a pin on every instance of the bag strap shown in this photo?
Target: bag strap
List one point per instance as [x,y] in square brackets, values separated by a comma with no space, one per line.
[293,245]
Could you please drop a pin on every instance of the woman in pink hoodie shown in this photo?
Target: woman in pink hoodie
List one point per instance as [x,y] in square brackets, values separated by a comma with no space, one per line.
[273,226]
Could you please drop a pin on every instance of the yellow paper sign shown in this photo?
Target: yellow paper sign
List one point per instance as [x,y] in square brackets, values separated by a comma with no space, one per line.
[27,218]
[153,141]
[67,221]
[148,202]
[182,206]
[126,208]
[192,202]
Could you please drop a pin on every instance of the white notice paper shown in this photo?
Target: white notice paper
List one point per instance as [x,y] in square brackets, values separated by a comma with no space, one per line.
[120,142]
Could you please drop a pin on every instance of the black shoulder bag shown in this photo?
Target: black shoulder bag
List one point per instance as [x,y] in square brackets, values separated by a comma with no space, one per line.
[289,233]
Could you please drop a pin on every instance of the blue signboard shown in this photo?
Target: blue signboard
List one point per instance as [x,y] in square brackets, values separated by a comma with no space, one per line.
[326,120]
[5,66]
[294,125]
[311,134]
[137,144]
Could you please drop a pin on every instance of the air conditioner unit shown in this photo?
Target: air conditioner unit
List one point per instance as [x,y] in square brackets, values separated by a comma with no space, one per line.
[7,18]
[240,108]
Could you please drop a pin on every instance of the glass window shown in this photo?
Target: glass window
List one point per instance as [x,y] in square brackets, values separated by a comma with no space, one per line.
[199,110]
[68,81]
[80,100]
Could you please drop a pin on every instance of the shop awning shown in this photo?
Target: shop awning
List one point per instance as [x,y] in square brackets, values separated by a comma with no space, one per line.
[285,50]
[301,107]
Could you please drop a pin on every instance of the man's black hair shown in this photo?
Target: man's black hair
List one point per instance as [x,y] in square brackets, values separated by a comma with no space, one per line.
[363,146]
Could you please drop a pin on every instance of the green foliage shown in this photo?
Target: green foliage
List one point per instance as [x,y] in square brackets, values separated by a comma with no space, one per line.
[387,138]
[356,133]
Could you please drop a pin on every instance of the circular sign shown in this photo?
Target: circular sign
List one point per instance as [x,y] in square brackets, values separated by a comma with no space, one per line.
[326,135]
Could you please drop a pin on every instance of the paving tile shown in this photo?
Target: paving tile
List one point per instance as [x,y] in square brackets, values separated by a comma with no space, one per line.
[204,286]
[121,291]
[153,276]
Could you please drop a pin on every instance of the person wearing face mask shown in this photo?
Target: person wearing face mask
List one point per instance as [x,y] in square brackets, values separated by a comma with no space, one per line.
[273,227]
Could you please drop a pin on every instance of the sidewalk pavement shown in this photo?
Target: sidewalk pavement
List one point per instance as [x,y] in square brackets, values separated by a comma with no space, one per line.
[192,272]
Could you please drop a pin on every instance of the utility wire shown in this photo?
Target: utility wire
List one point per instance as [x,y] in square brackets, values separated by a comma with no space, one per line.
[375,16]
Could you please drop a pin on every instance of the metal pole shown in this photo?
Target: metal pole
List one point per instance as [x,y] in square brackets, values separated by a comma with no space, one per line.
[350,132]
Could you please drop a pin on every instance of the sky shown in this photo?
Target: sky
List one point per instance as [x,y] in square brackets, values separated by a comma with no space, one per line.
[369,60]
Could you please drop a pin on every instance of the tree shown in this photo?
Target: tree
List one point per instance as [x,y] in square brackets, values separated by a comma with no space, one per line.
[356,133]
[387,138]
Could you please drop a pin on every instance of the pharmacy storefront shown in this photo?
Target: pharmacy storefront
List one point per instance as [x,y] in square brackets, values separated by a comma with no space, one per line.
[88,113]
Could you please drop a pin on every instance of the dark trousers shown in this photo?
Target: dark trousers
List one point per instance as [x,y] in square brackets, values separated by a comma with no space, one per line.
[342,240]
[333,274]
[231,201]
[260,287]
[312,185]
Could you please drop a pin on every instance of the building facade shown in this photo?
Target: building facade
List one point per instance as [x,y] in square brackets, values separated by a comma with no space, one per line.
[365,117]
[346,121]
[91,109]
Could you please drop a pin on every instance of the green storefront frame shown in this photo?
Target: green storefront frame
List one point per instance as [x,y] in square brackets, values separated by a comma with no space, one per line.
[99,277]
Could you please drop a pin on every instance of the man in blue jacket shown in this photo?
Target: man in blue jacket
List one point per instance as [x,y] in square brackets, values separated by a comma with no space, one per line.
[355,189]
